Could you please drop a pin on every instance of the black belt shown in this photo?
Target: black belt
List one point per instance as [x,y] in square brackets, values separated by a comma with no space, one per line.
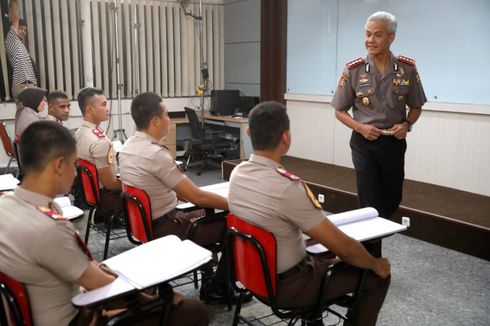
[292,271]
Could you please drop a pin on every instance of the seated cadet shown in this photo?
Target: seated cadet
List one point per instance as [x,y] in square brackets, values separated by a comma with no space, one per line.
[33,109]
[264,194]
[58,106]
[44,251]
[148,165]
[94,146]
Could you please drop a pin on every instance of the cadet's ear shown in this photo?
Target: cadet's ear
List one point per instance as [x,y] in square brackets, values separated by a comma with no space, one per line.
[248,132]
[57,164]
[391,37]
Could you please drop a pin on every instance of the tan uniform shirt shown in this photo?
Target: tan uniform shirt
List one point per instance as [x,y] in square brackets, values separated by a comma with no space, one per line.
[94,146]
[149,166]
[42,253]
[262,196]
[380,100]
[25,117]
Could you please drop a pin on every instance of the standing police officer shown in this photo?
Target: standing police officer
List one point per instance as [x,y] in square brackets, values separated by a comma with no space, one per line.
[379,88]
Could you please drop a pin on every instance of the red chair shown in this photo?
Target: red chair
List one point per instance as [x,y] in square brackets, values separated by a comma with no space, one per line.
[139,227]
[138,214]
[9,148]
[252,261]
[89,180]
[14,302]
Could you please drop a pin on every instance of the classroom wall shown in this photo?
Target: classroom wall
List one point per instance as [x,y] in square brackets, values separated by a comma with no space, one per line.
[242,46]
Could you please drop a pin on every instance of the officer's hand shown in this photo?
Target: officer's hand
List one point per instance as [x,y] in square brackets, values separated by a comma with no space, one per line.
[382,268]
[369,132]
[399,130]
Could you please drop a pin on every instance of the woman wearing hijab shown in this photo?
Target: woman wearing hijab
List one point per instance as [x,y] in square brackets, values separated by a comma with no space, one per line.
[35,109]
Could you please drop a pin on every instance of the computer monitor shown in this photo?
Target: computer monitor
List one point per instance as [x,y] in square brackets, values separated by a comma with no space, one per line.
[225,101]
[247,103]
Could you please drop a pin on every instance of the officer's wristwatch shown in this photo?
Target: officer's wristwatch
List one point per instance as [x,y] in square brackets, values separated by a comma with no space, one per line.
[409,124]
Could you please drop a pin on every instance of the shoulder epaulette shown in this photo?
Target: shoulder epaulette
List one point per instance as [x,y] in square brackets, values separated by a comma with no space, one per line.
[406,60]
[287,174]
[51,213]
[355,63]
[98,132]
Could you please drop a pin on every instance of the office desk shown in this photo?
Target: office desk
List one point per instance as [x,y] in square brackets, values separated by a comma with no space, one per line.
[233,122]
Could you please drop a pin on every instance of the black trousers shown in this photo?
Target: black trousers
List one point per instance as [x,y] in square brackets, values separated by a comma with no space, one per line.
[380,170]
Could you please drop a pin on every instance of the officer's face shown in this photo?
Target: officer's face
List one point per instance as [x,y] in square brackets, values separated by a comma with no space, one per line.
[377,39]
[60,108]
[100,108]
[164,121]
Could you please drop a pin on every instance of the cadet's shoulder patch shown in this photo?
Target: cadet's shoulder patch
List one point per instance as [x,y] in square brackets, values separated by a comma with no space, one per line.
[287,174]
[355,63]
[110,156]
[98,132]
[51,213]
[312,197]
[406,60]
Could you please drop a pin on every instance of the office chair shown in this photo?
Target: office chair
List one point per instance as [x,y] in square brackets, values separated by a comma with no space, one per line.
[205,143]
[14,302]
[9,148]
[252,260]
[89,182]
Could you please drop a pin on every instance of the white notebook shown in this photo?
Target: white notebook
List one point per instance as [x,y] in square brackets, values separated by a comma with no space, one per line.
[68,210]
[147,265]
[361,224]
[8,182]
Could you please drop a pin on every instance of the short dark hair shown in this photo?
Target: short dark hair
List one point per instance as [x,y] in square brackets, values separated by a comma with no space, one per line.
[85,95]
[267,122]
[144,107]
[22,22]
[41,142]
[56,94]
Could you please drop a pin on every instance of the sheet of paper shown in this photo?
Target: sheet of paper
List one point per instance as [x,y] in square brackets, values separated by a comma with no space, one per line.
[8,182]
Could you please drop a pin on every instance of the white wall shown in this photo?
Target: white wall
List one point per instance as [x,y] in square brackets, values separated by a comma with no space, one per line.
[242,46]
[7,114]
[448,146]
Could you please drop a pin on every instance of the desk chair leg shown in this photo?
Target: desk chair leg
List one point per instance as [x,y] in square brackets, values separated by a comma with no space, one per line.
[238,308]
[91,213]
[108,236]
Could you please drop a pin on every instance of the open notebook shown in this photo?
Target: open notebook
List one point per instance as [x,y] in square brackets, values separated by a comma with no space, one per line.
[8,182]
[69,211]
[361,224]
[147,265]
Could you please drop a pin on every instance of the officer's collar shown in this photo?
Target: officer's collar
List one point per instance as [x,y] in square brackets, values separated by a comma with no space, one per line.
[262,160]
[370,67]
[144,135]
[35,198]
[91,125]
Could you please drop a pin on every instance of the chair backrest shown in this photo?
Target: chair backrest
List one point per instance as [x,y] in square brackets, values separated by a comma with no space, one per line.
[6,141]
[138,211]
[13,297]
[196,129]
[254,255]
[89,180]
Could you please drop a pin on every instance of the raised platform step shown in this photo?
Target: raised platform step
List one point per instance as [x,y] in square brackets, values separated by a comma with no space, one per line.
[444,216]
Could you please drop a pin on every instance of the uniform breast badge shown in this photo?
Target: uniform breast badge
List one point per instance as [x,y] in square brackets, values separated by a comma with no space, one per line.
[365,101]
[110,156]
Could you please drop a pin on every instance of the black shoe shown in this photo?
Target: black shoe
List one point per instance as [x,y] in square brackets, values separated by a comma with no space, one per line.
[213,293]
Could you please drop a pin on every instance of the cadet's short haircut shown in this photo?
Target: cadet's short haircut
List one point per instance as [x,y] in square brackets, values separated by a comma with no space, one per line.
[85,96]
[383,16]
[41,142]
[56,94]
[267,122]
[145,107]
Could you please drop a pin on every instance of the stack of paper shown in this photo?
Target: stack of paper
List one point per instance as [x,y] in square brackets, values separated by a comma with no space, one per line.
[8,182]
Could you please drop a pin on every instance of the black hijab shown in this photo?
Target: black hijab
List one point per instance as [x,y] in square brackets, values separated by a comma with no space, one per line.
[32,97]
